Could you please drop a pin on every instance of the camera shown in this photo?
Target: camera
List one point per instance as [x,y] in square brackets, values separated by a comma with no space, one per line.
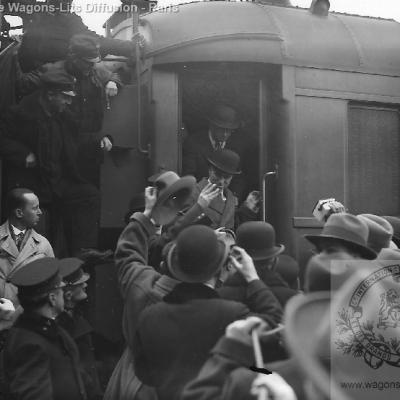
[326,207]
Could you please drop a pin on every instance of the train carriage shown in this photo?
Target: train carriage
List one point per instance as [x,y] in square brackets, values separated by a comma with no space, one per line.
[318,98]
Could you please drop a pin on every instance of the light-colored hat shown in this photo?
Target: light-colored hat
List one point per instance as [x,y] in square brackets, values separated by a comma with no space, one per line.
[380,231]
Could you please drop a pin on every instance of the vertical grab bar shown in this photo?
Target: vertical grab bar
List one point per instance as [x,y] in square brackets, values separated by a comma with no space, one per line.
[264,184]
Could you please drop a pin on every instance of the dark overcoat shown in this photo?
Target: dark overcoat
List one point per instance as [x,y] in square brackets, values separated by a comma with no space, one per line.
[41,362]
[175,336]
[28,127]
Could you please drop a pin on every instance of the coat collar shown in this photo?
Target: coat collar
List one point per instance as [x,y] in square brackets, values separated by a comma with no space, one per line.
[37,323]
[184,292]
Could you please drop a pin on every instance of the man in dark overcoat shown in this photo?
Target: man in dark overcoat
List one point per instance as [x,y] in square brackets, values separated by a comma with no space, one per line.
[41,361]
[174,337]
[38,145]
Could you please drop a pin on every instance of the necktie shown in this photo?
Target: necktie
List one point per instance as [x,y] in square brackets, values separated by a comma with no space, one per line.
[19,239]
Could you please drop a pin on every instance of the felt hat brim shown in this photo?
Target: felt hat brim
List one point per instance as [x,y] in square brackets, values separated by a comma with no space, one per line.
[224,124]
[221,168]
[364,251]
[264,254]
[178,273]
[185,183]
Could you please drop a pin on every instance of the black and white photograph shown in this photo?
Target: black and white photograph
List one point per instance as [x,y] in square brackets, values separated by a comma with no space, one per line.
[199,200]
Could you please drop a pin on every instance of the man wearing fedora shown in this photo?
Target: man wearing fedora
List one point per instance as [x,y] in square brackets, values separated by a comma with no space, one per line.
[73,321]
[344,233]
[192,316]
[222,166]
[41,360]
[258,239]
[140,284]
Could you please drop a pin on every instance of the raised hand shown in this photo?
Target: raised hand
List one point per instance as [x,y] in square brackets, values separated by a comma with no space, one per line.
[209,192]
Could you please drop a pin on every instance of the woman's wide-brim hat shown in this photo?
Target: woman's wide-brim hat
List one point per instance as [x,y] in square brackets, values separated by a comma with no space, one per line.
[226,161]
[348,229]
[197,255]
[173,192]
[258,239]
[224,117]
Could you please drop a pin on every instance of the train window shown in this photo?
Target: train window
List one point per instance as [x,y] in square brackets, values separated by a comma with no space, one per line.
[373,160]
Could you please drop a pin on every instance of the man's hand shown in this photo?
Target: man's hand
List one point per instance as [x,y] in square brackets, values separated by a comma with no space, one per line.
[241,330]
[106,144]
[276,387]
[150,198]
[30,161]
[243,264]
[6,309]
[111,89]
[209,192]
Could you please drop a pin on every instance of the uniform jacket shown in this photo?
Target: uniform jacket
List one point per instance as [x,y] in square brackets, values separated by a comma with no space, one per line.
[218,214]
[27,128]
[141,285]
[226,374]
[80,330]
[11,260]
[175,336]
[41,361]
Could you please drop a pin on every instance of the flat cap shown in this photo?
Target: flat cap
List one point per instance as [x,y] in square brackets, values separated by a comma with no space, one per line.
[38,277]
[55,78]
[86,47]
[71,271]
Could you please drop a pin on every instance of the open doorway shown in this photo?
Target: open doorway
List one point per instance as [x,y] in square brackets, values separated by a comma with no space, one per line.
[236,85]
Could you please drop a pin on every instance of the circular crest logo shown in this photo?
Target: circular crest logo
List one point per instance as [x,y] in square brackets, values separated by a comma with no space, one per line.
[367,328]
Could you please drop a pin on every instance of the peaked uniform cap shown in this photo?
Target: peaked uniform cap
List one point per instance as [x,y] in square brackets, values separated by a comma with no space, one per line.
[55,78]
[71,271]
[86,47]
[348,229]
[38,277]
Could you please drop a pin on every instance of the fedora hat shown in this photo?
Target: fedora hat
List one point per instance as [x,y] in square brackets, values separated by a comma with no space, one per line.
[395,222]
[224,117]
[348,229]
[226,161]
[258,239]
[171,187]
[380,232]
[197,254]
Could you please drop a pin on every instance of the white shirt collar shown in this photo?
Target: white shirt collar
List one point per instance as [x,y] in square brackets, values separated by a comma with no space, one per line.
[17,231]
[213,142]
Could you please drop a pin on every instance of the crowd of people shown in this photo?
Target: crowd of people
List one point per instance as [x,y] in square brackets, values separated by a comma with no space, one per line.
[213,308]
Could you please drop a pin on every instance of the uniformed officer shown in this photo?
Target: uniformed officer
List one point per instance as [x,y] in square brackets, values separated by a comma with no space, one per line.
[73,321]
[41,361]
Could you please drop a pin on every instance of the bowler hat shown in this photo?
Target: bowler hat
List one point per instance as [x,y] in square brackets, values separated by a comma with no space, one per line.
[258,239]
[380,231]
[197,255]
[348,229]
[85,47]
[55,78]
[226,161]
[38,277]
[171,187]
[224,117]
[71,271]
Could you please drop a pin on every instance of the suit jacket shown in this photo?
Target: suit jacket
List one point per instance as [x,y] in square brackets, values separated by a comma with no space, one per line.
[174,337]
[41,361]
[226,374]
[218,214]
[11,260]
[141,286]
